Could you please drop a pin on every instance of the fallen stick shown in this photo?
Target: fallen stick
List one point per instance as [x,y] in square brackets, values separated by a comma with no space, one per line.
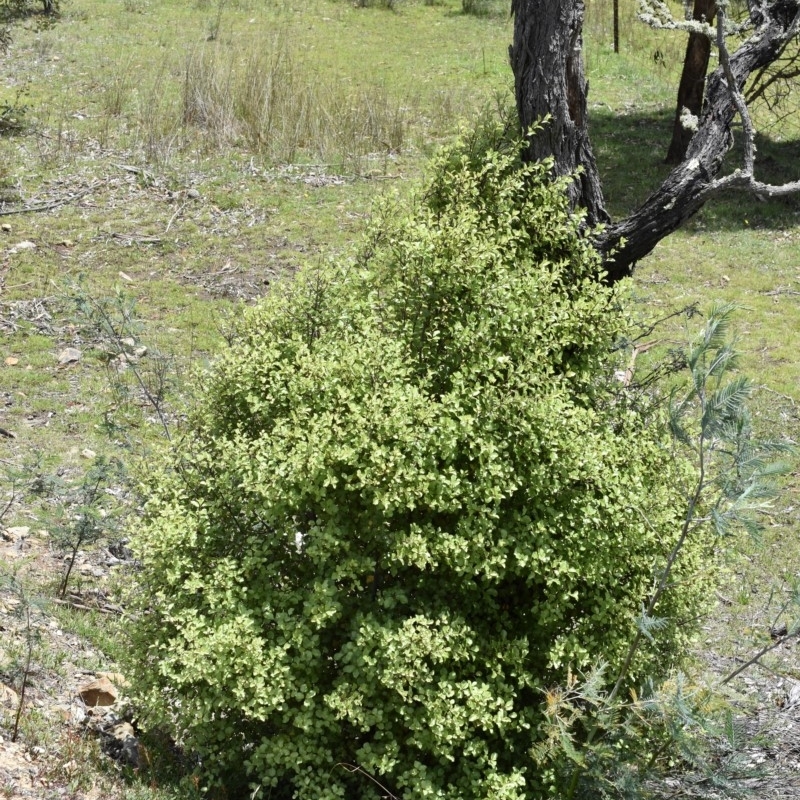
[6,212]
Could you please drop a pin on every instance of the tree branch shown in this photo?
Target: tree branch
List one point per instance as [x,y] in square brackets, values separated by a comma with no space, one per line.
[694,181]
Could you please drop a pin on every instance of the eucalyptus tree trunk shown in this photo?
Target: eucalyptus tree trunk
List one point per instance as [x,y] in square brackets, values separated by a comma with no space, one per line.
[693,81]
[547,61]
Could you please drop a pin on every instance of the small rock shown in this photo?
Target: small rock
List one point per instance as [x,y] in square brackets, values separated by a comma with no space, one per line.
[123,731]
[121,550]
[792,695]
[100,692]
[87,453]
[77,714]
[102,718]
[20,246]
[5,227]
[193,194]
[8,697]
[69,355]
[139,352]
[778,631]
[11,361]
[129,342]
[117,678]
[15,533]
[121,743]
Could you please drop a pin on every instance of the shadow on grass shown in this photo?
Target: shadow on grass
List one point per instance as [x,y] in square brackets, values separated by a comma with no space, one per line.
[21,10]
[630,151]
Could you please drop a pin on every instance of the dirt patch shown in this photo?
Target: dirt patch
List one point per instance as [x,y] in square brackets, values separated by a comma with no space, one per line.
[238,282]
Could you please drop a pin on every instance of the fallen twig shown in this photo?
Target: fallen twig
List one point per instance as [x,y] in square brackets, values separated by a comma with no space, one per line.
[175,216]
[135,238]
[757,657]
[779,291]
[104,609]
[62,201]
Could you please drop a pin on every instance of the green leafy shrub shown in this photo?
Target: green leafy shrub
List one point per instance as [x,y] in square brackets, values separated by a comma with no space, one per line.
[412,496]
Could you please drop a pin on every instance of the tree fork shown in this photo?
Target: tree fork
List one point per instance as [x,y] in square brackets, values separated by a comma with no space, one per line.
[549,80]
[694,181]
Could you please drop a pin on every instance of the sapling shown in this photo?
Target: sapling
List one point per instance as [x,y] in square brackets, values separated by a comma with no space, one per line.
[90,517]
[709,423]
[113,322]
[24,605]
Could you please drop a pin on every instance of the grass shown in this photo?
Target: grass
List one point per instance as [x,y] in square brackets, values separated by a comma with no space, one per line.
[204,151]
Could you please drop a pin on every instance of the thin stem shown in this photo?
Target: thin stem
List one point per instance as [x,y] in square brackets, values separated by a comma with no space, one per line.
[62,589]
[674,553]
[25,673]
[154,401]
[89,498]
[355,769]
[688,525]
[9,503]
[759,655]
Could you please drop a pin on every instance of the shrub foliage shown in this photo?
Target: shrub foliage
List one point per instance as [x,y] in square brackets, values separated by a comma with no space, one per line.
[412,497]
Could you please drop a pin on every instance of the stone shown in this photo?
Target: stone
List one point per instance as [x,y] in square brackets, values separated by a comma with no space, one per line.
[117,678]
[120,550]
[102,718]
[123,731]
[16,533]
[8,697]
[120,743]
[69,355]
[100,692]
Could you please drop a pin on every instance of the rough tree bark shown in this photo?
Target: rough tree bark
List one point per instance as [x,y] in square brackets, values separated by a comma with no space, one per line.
[549,79]
[693,81]
[547,61]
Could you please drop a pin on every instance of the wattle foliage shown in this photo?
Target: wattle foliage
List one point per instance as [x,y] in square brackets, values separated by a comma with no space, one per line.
[411,496]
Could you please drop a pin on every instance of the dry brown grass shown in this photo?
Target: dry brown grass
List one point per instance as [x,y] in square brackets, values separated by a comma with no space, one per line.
[282,108]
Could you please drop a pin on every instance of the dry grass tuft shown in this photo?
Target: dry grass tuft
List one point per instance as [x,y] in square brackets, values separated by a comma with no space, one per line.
[285,110]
